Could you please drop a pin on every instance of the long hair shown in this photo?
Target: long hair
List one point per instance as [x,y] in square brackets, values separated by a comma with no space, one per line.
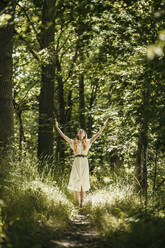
[84,140]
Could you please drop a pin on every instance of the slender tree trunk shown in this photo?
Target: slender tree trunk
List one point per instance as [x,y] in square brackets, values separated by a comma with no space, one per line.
[69,113]
[91,104]
[60,148]
[6,65]
[46,38]
[155,171]
[144,163]
[18,110]
[141,170]
[138,166]
[60,92]
[81,102]
[21,131]
[145,123]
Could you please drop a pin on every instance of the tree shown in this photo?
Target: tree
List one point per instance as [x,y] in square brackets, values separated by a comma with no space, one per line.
[7,9]
[98,51]
[46,38]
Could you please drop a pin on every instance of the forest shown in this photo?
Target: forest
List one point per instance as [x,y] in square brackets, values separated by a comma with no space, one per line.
[82,62]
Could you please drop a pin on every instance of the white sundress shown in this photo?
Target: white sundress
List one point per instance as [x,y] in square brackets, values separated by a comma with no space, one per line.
[79,176]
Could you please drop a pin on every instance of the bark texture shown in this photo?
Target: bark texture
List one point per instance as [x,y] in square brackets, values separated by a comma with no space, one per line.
[46,38]
[7,9]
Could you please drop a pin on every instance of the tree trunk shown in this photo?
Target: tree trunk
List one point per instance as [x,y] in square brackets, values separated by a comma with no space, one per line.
[138,166]
[6,49]
[141,161]
[60,92]
[92,101]
[141,170]
[155,170]
[69,113]
[45,134]
[46,38]
[81,102]
[144,163]
[21,131]
[60,148]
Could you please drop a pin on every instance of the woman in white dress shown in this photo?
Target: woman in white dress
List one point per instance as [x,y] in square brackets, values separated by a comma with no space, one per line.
[79,176]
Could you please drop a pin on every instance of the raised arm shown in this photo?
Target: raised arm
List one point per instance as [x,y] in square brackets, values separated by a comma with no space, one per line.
[62,134]
[95,136]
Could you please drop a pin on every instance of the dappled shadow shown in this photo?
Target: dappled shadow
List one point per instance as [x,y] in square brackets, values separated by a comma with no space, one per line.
[79,234]
[146,232]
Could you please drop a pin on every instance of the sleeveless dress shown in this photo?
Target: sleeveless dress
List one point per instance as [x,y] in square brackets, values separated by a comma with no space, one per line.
[79,176]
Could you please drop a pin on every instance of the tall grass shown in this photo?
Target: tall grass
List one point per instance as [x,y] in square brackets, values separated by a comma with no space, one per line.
[35,208]
[119,215]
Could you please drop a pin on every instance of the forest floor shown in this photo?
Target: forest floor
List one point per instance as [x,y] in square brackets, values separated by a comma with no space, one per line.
[78,235]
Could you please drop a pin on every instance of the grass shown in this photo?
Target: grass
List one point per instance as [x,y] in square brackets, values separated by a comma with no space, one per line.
[35,210]
[118,214]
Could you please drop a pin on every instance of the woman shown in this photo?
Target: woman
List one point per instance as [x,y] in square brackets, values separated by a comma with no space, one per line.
[79,177]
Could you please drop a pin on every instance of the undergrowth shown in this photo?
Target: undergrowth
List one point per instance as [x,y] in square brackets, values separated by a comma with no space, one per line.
[119,215]
[35,210]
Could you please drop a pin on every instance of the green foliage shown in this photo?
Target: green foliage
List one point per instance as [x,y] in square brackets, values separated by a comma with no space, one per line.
[108,42]
[119,48]
[3,236]
[119,216]
[35,209]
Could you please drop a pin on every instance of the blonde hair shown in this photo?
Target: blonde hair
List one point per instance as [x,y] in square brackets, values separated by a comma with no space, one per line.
[84,141]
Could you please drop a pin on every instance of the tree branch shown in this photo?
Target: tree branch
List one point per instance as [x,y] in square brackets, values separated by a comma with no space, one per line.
[27,44]
[72,62]
[163,180]
[28,18]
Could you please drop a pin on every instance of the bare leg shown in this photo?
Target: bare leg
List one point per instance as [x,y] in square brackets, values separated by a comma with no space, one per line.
[82,196]
[77,194]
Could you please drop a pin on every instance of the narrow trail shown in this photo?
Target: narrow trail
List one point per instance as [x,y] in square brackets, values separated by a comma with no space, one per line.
[79,235]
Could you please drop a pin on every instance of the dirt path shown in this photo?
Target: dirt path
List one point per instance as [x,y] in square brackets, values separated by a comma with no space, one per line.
[79,235]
